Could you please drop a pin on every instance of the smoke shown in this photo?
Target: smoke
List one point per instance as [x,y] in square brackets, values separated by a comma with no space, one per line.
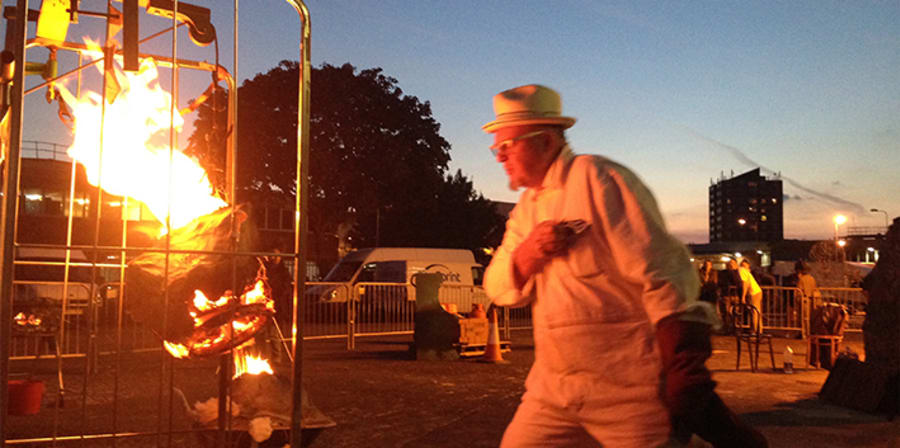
[738,154]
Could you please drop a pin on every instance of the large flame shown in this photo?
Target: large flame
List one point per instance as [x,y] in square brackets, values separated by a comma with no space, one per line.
[136,160]
[126,151]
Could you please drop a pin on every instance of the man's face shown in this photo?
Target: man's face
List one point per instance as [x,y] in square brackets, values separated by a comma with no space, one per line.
[525,154]
[732,264]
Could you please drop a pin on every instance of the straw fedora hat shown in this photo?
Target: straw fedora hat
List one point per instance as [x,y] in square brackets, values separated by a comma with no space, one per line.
[531,104]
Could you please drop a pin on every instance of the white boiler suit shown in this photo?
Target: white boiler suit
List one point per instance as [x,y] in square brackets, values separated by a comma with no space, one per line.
[596,376]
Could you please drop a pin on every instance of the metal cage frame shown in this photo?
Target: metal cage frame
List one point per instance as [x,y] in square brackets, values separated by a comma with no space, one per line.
[10,209]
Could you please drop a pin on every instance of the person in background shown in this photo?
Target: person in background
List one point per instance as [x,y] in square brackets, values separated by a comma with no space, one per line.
[620,337]
[730,287]
[751,292]
[805,281]
[279,279]
[709,283]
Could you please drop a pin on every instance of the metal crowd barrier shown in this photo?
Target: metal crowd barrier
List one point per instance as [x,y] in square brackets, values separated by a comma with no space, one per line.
[338,310]
[787,309]
[784,308]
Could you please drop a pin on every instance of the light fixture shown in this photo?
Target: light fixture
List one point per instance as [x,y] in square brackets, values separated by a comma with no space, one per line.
[878,210]
[838,220]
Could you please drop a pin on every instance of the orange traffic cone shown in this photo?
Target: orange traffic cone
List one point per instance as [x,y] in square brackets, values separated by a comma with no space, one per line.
[492,349]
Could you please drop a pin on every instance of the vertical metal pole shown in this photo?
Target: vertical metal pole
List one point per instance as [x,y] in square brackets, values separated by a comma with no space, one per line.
[226,359]
[301,224]
[10,202]
[131,20]
[165,387]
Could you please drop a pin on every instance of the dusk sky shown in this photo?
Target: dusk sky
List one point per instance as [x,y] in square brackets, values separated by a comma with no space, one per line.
[681,92]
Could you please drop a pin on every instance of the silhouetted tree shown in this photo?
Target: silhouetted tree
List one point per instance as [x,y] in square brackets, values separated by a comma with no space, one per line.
[378,164]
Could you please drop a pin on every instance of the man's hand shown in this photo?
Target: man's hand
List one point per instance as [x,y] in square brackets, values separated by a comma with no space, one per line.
[547,240]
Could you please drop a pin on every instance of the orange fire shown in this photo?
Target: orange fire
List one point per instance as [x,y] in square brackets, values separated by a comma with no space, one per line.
[27,321]
[126,150]
[245,363]
[256,300]
[136,159]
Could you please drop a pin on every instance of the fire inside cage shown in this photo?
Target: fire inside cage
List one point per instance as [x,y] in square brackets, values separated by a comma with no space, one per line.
[136,305]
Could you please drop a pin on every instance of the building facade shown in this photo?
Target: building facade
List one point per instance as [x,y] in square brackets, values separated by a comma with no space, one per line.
[747,207]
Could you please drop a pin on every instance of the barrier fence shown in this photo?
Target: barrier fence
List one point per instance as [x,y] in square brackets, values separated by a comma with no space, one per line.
[340,311]
[788,309]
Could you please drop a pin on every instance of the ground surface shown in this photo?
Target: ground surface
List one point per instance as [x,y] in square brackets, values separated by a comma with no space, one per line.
[380,397]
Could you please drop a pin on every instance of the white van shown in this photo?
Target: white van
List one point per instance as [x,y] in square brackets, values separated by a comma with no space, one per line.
[362,268]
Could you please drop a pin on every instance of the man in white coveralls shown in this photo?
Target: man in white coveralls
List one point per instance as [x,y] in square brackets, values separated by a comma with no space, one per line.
[620,337]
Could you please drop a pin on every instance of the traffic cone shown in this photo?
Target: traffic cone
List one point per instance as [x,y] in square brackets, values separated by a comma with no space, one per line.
[492,349]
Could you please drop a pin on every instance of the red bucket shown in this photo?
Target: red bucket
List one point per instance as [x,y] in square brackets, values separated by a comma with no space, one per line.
[25,397]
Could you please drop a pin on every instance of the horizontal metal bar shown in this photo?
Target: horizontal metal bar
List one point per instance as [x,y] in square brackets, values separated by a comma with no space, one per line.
[153,250]
[163,61]
[121,435]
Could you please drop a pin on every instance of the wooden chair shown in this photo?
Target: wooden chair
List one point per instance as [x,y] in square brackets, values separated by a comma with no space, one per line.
[816,343]
[746,321]
[826,334]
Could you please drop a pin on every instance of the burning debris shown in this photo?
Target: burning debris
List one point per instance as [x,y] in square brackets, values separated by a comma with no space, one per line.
[199,266]
[36,316]
[228,322]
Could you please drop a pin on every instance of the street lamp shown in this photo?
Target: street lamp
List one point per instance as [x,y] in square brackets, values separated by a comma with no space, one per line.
[838,220]
[875,210]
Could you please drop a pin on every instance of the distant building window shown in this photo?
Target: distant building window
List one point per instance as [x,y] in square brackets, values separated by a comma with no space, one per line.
[275,218]
[43,202]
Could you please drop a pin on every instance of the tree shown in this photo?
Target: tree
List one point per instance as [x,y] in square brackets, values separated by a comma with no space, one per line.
[378,164]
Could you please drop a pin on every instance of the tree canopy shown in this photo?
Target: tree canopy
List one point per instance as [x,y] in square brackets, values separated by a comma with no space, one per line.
[378,166]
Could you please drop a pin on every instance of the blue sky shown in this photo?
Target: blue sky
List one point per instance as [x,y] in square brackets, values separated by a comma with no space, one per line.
[681,92]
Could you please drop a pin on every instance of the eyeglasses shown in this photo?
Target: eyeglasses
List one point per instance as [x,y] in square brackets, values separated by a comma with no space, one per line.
[498,147]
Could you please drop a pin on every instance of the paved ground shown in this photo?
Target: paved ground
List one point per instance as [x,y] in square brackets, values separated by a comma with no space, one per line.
[380,397]
[463,404]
